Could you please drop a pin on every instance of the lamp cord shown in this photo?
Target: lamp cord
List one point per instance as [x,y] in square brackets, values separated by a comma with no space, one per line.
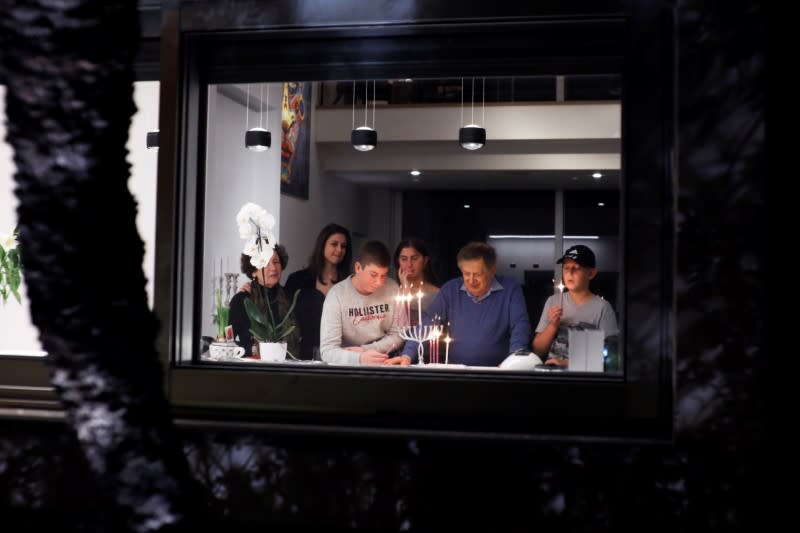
[462,103]
[366,101]
[472,105]
[247,110]
[483,103]
[260,103]
[373,104]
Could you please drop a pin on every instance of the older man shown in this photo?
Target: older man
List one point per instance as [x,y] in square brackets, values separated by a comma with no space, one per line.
[487,313]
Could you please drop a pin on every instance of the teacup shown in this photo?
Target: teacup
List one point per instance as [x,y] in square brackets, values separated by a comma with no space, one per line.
[220,351]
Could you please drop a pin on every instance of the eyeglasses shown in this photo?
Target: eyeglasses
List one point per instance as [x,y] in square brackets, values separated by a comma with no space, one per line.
[572,270]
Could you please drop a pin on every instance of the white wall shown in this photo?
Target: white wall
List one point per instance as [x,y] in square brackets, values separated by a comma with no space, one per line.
[15,317]
[235,176]
[365,211]
[506,122]
[526,253]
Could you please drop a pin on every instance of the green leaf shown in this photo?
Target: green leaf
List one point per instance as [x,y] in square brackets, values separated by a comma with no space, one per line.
[259,327]
[10,274]
[263,327]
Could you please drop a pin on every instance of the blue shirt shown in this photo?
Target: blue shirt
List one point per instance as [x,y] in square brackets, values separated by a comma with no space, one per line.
[484,330]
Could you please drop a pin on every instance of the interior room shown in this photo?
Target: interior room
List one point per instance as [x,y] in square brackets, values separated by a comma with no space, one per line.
[547,177]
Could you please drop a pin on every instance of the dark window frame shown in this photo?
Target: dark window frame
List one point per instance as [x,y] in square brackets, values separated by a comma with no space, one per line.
[639,406]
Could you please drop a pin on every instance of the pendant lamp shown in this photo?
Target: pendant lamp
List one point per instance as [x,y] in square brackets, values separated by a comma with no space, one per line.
[364,138]
[257,139]
[472,136]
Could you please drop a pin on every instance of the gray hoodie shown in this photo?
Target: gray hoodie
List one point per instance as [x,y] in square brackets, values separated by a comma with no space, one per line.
[350,318]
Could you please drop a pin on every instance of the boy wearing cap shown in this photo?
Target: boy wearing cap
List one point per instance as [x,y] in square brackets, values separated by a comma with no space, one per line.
[581,307]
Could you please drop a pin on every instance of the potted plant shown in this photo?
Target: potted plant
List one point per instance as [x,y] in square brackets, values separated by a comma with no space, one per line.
[220,316]
[10,267]
[269,334]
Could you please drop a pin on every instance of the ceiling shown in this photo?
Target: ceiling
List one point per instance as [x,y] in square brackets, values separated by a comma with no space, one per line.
[530,145]
[503,164]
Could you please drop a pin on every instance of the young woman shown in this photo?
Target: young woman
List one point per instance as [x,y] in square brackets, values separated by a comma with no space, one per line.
[329,263]
[413,271]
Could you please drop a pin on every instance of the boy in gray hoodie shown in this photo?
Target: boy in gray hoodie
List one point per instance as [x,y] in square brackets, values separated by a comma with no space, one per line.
[358,316]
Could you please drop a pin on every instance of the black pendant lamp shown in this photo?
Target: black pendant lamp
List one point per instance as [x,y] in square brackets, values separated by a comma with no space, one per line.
[472,136]
[257,139]
[364,138]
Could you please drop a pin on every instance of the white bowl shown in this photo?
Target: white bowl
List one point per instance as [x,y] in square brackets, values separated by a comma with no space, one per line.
[526,361]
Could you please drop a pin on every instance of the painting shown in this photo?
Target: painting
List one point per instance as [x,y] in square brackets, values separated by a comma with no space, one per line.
[295,138]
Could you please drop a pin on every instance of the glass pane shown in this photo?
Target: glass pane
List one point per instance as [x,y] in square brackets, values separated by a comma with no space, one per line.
[592,219]
[417,182]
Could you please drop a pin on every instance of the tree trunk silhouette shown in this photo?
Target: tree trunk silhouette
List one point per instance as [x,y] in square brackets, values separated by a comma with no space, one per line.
[68,67]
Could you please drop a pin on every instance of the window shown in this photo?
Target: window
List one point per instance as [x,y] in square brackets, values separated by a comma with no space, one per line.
[205,148]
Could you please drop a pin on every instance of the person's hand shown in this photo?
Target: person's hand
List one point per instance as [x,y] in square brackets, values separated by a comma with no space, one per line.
[557,362]
[372,357]
[554,315]
[401,360]
[245,287]
[403,275]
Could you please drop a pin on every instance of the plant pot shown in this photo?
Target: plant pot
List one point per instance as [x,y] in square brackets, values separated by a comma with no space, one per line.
[272,351]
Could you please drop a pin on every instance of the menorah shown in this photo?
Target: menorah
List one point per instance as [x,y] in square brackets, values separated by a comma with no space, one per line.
[420,334]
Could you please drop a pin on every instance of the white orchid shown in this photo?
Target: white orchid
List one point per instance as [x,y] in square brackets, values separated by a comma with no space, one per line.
[8,241]
[247,231]
[255,227]
[260,260]
[248,212]
[250,247]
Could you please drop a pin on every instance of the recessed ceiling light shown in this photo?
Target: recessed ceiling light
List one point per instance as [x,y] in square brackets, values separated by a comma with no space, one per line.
[415,172]
[601,204]
[597,175]
[466,206]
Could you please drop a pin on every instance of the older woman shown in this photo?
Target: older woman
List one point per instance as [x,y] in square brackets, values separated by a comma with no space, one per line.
[264,290]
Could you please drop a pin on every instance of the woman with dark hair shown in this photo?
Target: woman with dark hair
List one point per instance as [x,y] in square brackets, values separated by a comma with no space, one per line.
[264,290]
[413,271]
[329,263]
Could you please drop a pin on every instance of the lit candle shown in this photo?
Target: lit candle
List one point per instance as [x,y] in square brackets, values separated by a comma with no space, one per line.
[408,309]
[419,306]
[561,298]
[397,319]
[447,349]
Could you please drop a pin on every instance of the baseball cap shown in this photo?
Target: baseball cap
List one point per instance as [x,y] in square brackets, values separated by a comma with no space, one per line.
[579,253]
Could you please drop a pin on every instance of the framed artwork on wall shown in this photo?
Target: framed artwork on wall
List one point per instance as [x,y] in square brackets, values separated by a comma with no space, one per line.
[295,138]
